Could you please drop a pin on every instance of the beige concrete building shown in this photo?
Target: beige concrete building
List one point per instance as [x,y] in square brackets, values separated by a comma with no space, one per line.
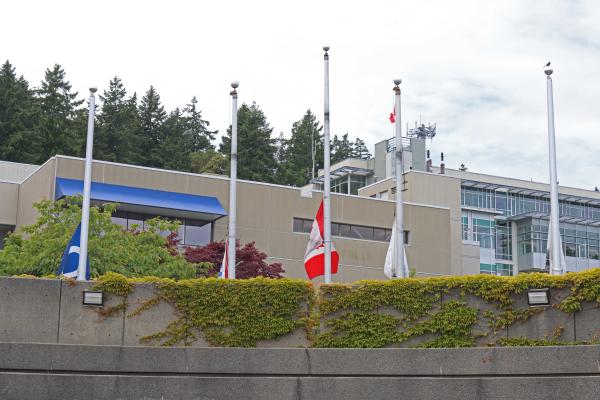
[276,217]
[456,222]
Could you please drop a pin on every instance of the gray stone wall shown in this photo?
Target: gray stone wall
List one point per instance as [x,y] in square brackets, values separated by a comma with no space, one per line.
[51,311]
[46,371]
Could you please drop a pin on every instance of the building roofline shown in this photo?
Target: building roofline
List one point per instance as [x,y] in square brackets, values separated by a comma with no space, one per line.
[210,176]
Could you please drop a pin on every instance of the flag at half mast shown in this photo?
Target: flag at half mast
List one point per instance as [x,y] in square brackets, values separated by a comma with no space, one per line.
[390,258]
[224,272]
[70,259]
[314,259]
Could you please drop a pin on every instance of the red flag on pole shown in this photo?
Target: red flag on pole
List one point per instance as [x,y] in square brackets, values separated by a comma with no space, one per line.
[393,116]
[314,259]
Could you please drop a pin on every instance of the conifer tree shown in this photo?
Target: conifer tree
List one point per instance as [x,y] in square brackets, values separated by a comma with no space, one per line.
[197,128]
[296,166]
[175,143]
[118,125]
[340,149]
[256,148]
[17,118]
[360,150]
[152,115]
[56,128]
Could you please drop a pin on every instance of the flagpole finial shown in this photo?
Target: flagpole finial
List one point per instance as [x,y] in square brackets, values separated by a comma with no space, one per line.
[548,70]
[235,84]
[93,89]
[326,48]
[397,81]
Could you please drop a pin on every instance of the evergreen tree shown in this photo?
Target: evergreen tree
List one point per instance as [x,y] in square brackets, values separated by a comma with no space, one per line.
[56,128]
[256,148]
[197,128]
[152,115]
[296,165]
[118,126]
[360,150]
[341,149]
[175,143]
[210,162]
[17,118]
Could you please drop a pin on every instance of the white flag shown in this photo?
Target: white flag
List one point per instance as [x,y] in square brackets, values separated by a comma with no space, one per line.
[562,263]
[390,257]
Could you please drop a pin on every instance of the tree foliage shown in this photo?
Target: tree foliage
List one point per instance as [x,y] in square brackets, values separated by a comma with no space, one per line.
[250,262]
[38,251]
[256,148]
[38,123]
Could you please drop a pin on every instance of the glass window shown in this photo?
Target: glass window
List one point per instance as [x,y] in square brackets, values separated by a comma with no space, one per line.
[362,232]
[570,250]
[298,225]
[380,234]
[135,221]
[197,233]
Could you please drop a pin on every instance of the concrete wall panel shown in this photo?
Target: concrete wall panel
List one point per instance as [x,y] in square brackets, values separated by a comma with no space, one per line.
[37,187]
[107,372]
[81,324]
[549,324]
[587,323]
[29,310]
[9,200]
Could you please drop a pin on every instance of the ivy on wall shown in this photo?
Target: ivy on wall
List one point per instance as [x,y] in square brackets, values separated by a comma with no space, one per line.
[388,313]
[224,312]
[417,312]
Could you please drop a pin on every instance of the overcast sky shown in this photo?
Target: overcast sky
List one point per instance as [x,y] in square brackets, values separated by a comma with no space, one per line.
[473,67]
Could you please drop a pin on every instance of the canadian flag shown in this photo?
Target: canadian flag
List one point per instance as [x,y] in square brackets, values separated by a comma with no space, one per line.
[393,115]
[314,259]
[224,272]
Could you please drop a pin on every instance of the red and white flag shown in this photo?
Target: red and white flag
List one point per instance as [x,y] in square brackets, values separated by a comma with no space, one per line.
[393,115]
[314,259]
[224,272]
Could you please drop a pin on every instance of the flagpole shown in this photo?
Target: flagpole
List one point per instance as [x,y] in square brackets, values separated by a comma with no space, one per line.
[398,271]
[327,182]
[555,264]
[87,188]
[231,244]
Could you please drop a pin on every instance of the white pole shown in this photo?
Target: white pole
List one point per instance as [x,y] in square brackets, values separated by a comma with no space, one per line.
[233,185]
[399,264]
[555,264]
[327,182]
[87,188]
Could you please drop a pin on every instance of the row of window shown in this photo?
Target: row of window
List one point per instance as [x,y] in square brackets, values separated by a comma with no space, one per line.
[496,269]
[192,232]
[513,204]
[490,234]
[302,225]
[577,240]
[340,185]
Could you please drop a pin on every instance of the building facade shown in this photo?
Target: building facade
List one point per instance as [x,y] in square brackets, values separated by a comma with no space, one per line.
[456,222]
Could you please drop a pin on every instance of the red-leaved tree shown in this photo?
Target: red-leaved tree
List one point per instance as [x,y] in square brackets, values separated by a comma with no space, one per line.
[250,262]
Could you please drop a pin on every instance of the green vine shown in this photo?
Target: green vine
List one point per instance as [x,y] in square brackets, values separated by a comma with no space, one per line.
[423,312]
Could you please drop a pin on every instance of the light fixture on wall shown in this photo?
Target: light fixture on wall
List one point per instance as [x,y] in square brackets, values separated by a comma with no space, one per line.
[538,297]
[93,298]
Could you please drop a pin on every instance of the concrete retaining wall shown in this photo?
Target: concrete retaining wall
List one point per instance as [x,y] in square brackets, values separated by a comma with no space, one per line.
[43,371]
[51,311]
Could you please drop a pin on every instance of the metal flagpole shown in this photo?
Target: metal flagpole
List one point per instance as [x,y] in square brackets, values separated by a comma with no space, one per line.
[555,264]
[233,185]
[398,271]
[87,188]
[327,183]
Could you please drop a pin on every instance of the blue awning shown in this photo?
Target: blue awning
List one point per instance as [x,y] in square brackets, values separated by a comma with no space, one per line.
[149,201]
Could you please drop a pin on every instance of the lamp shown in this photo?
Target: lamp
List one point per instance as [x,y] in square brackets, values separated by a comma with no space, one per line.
[92,298]
[538,297]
